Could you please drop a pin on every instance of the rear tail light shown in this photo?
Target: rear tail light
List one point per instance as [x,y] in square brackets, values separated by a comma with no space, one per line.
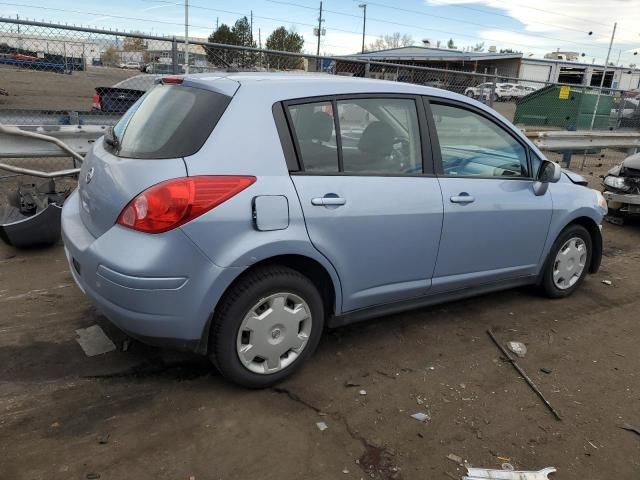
[170,204]
[95,103]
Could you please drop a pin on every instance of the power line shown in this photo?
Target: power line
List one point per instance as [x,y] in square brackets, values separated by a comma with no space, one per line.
[590,46]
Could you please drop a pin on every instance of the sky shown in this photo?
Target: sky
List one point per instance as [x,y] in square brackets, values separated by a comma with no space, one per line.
[534,28]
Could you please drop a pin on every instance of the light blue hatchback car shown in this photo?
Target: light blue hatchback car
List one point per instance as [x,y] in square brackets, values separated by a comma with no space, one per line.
[238,215]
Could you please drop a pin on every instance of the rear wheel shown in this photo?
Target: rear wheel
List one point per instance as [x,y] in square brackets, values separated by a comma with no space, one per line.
[265,326]
[470,94]
[568,262]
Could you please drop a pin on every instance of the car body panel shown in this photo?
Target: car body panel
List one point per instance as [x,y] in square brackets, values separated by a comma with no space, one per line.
[470,242]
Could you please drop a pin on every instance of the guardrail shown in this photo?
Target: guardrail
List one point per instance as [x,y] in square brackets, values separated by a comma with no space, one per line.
[584,140]
[18,141]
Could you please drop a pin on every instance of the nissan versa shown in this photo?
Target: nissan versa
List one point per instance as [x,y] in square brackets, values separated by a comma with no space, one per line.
[238,215]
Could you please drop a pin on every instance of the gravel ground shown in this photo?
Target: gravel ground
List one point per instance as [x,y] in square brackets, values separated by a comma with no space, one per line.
[150,413]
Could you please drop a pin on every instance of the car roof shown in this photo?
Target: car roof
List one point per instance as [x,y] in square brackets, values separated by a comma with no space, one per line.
[284,86]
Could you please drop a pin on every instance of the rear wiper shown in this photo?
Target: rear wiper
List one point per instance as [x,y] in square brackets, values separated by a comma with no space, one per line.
[111,138]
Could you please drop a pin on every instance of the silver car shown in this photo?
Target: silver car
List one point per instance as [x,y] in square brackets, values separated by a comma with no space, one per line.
[238,215]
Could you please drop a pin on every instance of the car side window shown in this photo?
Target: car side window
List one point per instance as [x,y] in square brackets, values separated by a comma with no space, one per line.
[472,145]
[315,133]
[380,136]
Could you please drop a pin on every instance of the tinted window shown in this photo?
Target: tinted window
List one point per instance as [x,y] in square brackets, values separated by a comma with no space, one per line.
[316,134]
[472,145]
[169,122]
[380,135]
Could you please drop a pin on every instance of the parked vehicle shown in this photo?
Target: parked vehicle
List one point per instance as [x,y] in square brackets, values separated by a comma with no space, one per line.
[502,91]
[130,65]
[519,91]
[163,68]
[622,189]
[627,113]
[238,215]
[122,95]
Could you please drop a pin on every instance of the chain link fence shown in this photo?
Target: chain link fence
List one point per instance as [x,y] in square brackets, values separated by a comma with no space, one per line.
[57,74]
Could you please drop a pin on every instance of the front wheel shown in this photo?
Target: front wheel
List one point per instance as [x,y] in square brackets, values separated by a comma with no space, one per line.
[568,262]
[265,326]
[470,94]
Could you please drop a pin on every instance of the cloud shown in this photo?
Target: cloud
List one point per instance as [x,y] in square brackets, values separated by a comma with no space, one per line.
[566,22]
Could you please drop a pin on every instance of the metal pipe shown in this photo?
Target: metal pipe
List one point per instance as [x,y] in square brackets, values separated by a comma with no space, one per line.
[39,173]
[46,138]
[604,74]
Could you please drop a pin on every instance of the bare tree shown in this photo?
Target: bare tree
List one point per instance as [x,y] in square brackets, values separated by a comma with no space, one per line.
[395,40]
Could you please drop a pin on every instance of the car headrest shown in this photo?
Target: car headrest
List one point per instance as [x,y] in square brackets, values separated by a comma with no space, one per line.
[319,126]
[377,139]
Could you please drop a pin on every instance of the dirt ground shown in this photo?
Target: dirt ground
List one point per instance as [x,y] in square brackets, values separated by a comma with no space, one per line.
[35,90]
[156,414]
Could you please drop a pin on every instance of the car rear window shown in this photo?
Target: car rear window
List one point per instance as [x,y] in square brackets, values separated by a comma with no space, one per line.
[169,121]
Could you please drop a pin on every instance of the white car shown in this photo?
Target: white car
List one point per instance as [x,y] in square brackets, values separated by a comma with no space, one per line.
[519,91]
[130,65]
[502,91]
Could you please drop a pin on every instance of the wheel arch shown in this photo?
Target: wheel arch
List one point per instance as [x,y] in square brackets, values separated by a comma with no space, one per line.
[596,240]
[327,285]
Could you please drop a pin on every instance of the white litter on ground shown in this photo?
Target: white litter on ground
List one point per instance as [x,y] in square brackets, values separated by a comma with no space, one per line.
[94,341]
[421,416]
[321,426]
[483,473]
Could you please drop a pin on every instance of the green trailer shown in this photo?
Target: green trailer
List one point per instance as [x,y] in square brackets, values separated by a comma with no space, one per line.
[569,108]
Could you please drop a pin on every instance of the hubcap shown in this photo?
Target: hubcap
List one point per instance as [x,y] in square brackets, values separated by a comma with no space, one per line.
[569,263]
[273,333]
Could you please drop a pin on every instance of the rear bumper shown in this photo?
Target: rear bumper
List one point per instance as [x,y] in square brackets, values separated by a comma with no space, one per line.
[159,288]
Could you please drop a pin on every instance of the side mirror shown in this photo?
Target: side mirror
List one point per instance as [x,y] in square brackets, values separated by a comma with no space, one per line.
[549,172]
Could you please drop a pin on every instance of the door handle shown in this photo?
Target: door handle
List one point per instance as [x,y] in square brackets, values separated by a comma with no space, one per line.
[463,198]
[326,201]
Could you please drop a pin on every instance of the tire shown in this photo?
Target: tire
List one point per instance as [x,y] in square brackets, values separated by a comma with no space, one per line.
[284,292]
[470,94]
[567,281]
[496,98]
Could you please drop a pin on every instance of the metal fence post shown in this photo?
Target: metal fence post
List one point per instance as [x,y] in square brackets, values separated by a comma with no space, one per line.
[174,55]
[493,87]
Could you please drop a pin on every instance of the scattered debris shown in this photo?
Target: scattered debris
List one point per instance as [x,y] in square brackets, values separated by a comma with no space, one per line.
[631,428]
[4,92]
[421,416]
[546,370]
[483,473]
[103,439]
[322,426]
[93,476]
[518,348]
[362,392]
[94,341]
[503,459]
[614,220]
[349,383]
[607,282]
[592,444]
[455,458]
[524,375]
[507,466]
[345,471]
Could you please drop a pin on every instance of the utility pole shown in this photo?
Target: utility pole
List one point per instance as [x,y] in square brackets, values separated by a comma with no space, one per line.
[217,19]
[319,29]
[251,26]
[363,6]
[186,36]
[604,74]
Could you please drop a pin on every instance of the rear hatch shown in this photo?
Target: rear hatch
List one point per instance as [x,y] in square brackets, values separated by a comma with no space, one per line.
[146,147]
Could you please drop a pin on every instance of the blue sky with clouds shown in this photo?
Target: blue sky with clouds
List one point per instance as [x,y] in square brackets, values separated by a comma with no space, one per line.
[531,27]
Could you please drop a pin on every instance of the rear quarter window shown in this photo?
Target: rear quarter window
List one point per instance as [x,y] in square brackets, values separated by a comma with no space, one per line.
[169,121]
